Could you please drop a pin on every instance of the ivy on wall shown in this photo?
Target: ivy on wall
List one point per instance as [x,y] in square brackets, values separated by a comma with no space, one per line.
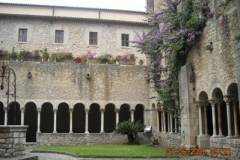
[175,29]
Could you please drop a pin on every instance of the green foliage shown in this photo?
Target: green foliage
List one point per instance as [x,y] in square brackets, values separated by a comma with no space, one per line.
[24,54]
[45,53]
[60,56]
[105,57]
[13,53]
[4,52]
[237,37]
[131,129]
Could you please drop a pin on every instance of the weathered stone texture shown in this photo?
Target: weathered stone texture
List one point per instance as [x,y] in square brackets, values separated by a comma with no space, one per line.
[167,140]
[41,34]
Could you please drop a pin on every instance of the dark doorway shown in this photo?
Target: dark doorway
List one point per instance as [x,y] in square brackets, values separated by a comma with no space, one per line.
[109,118]
[2,114]
[30,119]
[124,113]
[94,119]
[63,118]
[46,124]
[209,120]
[138,113]
[79,118]
[14,114]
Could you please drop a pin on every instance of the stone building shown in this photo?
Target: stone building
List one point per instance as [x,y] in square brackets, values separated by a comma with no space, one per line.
[71,103]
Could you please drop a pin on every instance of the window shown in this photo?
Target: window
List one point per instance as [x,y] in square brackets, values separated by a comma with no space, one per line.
[22,35]
[125,39]
[93,38]
[59,35]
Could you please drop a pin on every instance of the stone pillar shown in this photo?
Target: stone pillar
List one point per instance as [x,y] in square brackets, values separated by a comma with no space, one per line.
[70,111]
[213,119]
[170,121]
[235,118]
[205,120]
[55,120]
[22,116]
[157,120]
[117,115]
[200,120]
[39,120]
[132,114]
[219,121]
[5,115]
[175,127]
[86,120]
[102,120]
[228,118]
[164,123]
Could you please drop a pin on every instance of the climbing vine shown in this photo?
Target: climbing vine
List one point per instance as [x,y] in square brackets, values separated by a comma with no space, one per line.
[175,29]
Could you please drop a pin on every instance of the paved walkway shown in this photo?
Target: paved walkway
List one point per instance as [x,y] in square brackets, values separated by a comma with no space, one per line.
[54,156]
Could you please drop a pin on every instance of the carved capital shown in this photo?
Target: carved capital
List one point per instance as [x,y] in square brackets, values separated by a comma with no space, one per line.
[132,110]
[39,110]
[102,110]
[70,110]
[213,102]
[55,110]
[22,109]
[117,110]
[87,110]
[202,103]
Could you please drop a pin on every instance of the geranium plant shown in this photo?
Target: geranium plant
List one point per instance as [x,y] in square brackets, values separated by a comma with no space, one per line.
[78,58]
[90,54]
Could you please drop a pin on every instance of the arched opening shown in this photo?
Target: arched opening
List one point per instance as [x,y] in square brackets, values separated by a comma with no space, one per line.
[138,113]
[94,119]
[209,120]
[79,118]
[30,119]
[2,115]
[63,118]
[109,118]
[224,119]
[14,114]
[166,121]
[47,119]
[124,113]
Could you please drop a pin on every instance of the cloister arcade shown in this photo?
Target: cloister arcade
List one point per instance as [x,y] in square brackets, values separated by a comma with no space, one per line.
[64,119]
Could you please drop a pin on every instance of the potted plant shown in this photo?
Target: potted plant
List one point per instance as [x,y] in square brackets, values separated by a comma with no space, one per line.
[91,57]
[64,57]
[126,59]
[30,56]
[45,55]
[4,55]
[105,58]
[78,59]
[13,55]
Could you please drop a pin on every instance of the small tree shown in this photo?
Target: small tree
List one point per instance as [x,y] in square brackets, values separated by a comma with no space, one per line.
[131,129]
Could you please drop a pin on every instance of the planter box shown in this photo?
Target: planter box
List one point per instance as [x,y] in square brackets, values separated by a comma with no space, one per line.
[127,62]
[32,59]
[65,60]
[94,61]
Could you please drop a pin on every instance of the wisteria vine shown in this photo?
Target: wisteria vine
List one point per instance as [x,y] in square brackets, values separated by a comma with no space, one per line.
[175,29]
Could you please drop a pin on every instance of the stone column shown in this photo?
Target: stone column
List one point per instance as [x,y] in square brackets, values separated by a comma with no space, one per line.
[219,120]
[132,114]
[200,119]
[164,123]
[170,121]
[117,115]
[157,120]
[213,119]
[70,111]
[205,120]
[228,118]
[235,118]
[162,120]
[22,116]
[39,120]
[102,120]
[86,120]
[55,120]
[175,127]
[5,115]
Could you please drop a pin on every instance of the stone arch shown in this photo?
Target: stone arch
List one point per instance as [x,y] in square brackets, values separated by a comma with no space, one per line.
[47,118]
[109,118]
[138,113]
[30,119]
[94,119]
[79,118]
[203,97]
[124,113]
[217,94]
[232,90]
[63,118]
[2,114]
[14,114]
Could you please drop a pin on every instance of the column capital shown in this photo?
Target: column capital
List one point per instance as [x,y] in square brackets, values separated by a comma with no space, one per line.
[39,109]
[22,109]
[117,110]
[213,102]
[70,109]
[202,103]
[132,110]
[102,110]
[86,110]
[55,109]
[5,109]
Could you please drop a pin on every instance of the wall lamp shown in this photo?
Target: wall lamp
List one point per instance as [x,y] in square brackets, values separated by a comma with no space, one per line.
[209,47]
[29,75]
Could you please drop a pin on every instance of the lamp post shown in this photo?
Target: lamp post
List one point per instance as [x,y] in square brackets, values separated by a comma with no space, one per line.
[5,74]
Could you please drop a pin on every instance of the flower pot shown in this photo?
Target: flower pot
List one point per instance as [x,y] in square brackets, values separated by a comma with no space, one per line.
[77,61]
[45,59]
[5,58]
[93,60]
[13,58]
[126,62]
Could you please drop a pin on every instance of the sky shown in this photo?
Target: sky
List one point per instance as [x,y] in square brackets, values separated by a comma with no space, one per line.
[135,5]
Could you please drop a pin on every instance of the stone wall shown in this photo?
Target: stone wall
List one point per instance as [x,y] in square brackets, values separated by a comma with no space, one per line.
[12,141]
[41,34]
[83,138]
[66,82]
[166,140]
